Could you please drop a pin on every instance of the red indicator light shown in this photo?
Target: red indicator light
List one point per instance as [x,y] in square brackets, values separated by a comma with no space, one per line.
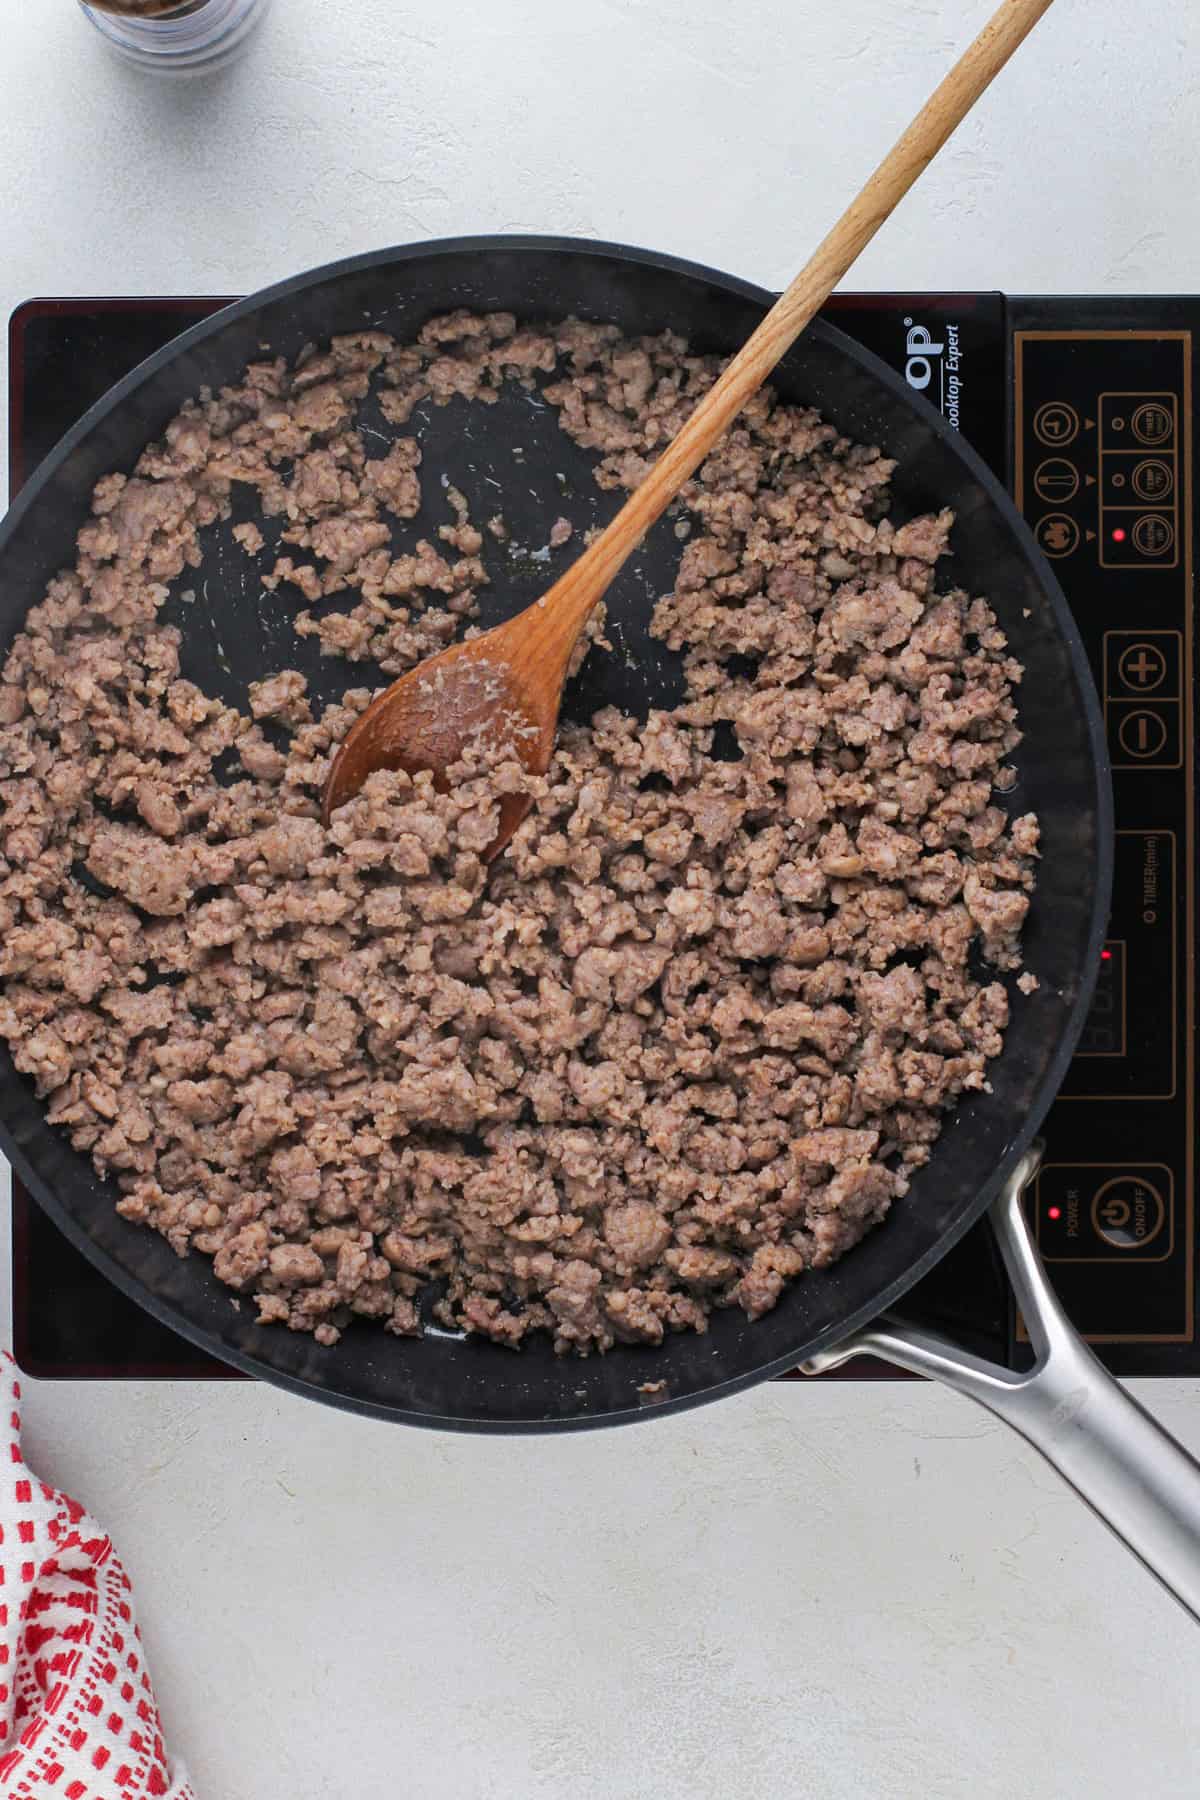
[1054,1212]
[1119,535]
[1106,956]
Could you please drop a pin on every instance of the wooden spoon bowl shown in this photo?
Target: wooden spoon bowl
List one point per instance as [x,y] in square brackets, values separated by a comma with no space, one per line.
[476,701]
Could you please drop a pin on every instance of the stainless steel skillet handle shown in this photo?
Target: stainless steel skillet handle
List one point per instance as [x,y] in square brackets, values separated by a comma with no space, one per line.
[1129,1470]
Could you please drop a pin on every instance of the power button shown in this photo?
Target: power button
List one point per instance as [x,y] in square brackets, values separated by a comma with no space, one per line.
[1128,1212]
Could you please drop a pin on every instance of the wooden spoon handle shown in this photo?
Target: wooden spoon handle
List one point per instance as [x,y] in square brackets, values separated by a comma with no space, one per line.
[574,595]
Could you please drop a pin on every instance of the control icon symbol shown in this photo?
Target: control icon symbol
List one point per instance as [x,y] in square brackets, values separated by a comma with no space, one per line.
[1058,480]
[1058,534]
[1056,424]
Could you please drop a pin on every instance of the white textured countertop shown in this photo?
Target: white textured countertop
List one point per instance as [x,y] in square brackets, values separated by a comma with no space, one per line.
[828,1592]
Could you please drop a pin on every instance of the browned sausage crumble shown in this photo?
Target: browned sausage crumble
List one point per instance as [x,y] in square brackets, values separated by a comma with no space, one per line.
[685,1041]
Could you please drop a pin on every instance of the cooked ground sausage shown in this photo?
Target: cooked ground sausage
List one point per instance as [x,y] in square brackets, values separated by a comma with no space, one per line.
[686,1040]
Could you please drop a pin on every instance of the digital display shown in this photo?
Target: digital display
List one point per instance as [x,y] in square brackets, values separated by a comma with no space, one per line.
[1104,1030]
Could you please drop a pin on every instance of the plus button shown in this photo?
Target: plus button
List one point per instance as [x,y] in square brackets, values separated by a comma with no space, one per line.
[1142,667]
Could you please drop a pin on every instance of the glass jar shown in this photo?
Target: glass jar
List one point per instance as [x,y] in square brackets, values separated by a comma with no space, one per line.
[190,37]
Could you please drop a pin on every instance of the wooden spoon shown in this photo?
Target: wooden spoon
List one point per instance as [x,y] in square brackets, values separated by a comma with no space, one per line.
[505,686]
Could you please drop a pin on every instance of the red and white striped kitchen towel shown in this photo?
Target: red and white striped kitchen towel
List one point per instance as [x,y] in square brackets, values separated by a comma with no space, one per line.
[77,1714]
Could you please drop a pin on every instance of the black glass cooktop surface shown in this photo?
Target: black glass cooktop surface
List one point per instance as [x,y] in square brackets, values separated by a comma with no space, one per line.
[1084,406]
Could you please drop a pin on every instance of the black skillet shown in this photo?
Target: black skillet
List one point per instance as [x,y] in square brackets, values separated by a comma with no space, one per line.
[513,458]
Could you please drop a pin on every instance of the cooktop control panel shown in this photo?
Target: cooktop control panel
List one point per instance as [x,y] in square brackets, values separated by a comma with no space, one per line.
[1102,441]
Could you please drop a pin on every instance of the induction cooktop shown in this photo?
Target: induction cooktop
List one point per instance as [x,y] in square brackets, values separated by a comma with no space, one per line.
[1084,407]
